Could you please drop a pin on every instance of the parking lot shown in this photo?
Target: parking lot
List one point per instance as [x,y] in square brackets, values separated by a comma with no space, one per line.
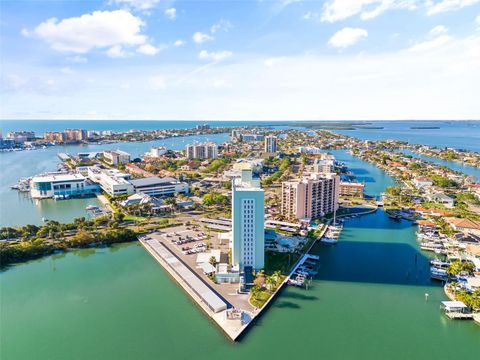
[187,241]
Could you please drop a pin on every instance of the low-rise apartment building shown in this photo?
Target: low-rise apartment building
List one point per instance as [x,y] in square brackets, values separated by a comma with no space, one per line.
[351,189]
[116,157]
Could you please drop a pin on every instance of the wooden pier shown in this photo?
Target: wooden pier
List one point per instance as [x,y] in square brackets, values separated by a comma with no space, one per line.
[459,315]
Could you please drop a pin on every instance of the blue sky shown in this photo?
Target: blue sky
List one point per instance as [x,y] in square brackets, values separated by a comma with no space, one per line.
[240,60]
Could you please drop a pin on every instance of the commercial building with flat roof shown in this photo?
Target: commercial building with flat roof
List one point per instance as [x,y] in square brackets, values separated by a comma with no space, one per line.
[156,186]
[60,184]
[112,181]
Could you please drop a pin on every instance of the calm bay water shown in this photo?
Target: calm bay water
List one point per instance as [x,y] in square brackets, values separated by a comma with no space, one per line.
[456,134]
[368,302]
[19,209]
[454,165]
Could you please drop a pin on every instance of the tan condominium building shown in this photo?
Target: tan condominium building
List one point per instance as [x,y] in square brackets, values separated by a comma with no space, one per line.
[55,136]
[311,197]
[351,189]
[76,134]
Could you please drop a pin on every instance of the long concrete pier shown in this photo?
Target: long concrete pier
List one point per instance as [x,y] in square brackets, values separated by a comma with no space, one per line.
[209,301]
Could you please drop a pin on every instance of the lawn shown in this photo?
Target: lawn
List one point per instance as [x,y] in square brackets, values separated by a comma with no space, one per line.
[133,218]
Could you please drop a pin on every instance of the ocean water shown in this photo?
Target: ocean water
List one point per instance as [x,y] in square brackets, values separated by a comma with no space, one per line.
[41,126]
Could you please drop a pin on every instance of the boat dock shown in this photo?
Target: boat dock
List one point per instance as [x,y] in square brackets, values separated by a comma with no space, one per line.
[459,316]
[232,321]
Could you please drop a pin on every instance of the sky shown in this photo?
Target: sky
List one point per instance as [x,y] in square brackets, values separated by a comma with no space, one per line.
[240,60]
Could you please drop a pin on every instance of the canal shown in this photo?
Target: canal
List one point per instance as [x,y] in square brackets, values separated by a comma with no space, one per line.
[454,165]
[368,302]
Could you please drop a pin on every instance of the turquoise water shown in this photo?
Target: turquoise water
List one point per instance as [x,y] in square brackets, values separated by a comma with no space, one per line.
[19,209]
[374,179]
[454,165]
[367,302]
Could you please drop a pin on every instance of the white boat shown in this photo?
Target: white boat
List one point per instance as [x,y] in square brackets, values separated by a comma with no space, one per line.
[329,240]
[91,207]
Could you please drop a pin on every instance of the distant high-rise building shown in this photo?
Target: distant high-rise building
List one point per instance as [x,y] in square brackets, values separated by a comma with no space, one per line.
[55,136]
[236,134]
[202,151]
[248,213]
[270,144]
[311,197]
[76,134]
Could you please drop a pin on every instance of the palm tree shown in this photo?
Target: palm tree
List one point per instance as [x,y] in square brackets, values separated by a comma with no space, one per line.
[212,260]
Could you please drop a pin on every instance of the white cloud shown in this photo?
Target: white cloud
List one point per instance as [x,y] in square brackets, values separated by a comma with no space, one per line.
[78,59]
[477,20]
[221,84]
[147,49]
[158,82]
[116,52]
[214,56]
[432,44]
[25,32]
[336,10]
[66,70]
[222,25]
[438,30]
[347,37]
[436,7]
[171,13]
[100,29]
[179,42]
[310,15]
[200,37]
[138,4]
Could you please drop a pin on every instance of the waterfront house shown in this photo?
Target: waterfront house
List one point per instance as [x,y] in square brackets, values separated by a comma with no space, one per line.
[422,182]
[464,225]
[473,283]
[441,198]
